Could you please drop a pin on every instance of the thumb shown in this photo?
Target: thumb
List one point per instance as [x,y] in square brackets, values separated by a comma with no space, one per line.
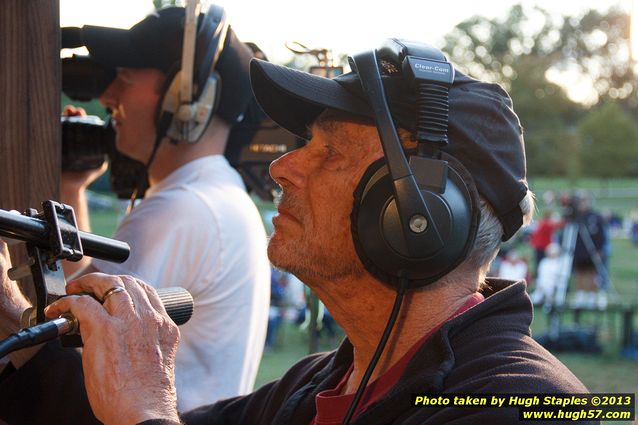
[89,313]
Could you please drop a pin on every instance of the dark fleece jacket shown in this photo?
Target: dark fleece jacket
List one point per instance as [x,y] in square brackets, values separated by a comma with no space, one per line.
[488,349]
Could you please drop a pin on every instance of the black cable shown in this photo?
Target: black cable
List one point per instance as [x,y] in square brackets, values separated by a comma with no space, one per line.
[162,128]
[140,184]
[37,334]
[403,286]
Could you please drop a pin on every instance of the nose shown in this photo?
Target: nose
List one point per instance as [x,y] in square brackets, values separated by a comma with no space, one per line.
[287,170]
[109,97]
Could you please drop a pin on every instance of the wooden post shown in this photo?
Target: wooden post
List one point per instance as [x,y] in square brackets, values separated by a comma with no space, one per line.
[30,102]
[30,153]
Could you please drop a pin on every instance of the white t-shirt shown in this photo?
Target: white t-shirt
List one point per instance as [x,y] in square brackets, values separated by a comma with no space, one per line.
[198,229]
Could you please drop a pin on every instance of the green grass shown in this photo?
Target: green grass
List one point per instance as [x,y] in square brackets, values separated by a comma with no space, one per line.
[595,185]
[292,344]
[616,195]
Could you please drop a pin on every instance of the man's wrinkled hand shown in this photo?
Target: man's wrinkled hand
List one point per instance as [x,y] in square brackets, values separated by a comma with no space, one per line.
[129,347]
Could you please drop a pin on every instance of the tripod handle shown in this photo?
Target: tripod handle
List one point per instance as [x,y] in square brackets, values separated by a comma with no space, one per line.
[31,229]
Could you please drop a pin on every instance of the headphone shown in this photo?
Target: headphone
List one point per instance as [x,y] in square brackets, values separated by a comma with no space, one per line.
[413,218]
[193,95]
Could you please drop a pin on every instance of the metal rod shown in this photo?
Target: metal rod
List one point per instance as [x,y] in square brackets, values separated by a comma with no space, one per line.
[34,230]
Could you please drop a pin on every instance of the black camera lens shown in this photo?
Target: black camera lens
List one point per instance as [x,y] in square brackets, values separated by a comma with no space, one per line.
[86,141]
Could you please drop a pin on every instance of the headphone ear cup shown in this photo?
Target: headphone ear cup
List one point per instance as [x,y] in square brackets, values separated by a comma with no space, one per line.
[168,121]
[378,235]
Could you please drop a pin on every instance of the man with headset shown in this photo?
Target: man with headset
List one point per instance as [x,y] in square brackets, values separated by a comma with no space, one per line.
[456,331]
[196,228]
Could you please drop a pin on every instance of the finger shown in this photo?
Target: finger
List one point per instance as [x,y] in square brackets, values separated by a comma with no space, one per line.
[73,111]
[152,296]
[138,294]
[96,284]
[85,309]
[69,110]
[99,284]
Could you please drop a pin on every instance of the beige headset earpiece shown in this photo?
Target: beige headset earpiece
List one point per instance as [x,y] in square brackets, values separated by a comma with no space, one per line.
[190,106]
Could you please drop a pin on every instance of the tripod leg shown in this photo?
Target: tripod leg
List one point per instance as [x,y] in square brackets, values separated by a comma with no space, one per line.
[567,246]
[603,283]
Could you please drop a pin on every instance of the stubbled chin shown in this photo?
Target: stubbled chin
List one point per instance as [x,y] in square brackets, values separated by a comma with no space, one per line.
[277,249]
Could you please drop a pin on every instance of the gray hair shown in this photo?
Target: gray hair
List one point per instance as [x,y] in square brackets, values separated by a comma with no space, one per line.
[490,231]
[487,243]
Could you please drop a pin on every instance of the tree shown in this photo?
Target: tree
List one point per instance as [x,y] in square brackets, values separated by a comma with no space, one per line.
[491,48]
[523,48]
[514,53]
[597,45]
[548,118]
[609,142]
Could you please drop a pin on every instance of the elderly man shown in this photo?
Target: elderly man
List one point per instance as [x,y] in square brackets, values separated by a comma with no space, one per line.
[456,330]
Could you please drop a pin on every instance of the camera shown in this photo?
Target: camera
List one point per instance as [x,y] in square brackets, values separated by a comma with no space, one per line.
[574,205]
[87,142]
[253,144]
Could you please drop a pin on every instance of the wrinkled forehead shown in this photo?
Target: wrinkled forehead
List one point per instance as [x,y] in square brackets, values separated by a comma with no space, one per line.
[361,132]
[346,130]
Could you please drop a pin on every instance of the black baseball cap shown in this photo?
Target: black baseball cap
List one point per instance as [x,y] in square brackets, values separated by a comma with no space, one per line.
[484,133]
[156,42]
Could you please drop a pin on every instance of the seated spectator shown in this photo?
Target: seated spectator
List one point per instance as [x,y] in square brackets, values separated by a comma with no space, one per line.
[277,305]
[513,267]
[547,276]
[543,235]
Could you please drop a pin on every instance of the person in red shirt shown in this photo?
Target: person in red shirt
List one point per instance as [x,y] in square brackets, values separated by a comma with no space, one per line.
[543,235]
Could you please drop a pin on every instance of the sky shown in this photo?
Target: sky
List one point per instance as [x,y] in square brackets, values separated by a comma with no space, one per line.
[345,26]
[349,26]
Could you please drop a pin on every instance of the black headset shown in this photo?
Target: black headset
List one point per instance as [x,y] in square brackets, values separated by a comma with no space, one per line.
[204,39]
[413,219]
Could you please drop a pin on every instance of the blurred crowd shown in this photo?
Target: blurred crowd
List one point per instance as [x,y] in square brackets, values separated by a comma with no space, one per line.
[292,302]
[569,242]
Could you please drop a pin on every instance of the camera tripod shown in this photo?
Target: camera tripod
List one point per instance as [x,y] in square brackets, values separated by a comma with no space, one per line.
[572,230]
